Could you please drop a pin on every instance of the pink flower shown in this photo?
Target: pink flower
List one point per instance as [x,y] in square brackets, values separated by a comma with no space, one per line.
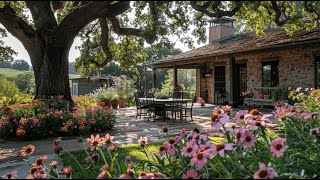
[170,149]
[226,109]
[143,141]
[277,147]
[11,175]
[265,172]
[240,115]
[217,110]
[162,151]
[248,139]
[183,133]
[190,149]
[220,148]
[208,146]
[108,138]
[125,176]
[199,159]
[255,123]
[205,134]
[239,135]
[218,120]
[314,131]
[103,175]
[190,174]
[105,167]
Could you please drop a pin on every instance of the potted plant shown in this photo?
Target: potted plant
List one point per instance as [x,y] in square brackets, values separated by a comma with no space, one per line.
[115,101]
[122,87]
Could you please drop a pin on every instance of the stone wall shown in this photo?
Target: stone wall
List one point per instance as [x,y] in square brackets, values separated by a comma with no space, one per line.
[296,68]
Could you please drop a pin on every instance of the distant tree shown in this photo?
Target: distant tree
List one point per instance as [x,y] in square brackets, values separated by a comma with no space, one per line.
[6,52]
[7,88]
[24,82]
[5,64]
[185,76]
[21,65]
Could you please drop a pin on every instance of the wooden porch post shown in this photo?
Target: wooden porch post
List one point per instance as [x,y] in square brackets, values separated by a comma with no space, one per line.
[231,65]
[154,79]
[175,75]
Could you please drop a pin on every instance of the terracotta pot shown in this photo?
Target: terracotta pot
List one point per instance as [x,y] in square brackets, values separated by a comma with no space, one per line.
[122,102]
[101,103]
[107,103]
[114,104]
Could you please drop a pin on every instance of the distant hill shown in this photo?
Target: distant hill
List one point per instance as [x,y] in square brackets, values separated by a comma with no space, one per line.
[9,72]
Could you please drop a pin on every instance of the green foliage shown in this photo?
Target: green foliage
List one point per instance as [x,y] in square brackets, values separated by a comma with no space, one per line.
[6,52]
[25,82]
[7,88]
[21,65]
[280,94]
[17,98]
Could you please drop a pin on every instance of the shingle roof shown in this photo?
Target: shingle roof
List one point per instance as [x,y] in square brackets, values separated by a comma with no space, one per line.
[244,42]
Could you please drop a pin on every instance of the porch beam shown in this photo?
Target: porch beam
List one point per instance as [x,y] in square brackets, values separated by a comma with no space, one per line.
[154,77]
[175,75]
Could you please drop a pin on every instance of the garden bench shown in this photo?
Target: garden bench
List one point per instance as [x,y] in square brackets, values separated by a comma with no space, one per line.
[262,98]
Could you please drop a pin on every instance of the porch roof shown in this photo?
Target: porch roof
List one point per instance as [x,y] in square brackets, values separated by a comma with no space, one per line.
[244,42]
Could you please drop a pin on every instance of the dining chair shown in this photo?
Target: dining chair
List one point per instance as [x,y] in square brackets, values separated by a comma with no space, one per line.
[175,107]
[189,109]
[140,106]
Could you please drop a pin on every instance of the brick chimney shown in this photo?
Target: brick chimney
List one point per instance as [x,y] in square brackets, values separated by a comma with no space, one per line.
[220,28]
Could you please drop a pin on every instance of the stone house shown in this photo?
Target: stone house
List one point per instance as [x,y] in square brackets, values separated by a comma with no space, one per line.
[234,63]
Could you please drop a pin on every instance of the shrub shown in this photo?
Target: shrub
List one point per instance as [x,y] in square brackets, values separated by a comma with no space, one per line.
[52,117]
[7,88]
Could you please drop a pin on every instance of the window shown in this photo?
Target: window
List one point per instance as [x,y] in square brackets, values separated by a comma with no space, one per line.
[270,74]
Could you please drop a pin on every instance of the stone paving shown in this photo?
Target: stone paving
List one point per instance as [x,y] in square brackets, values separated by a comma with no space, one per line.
[127,129]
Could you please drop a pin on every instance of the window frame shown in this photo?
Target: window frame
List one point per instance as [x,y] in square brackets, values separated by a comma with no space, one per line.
[274,77]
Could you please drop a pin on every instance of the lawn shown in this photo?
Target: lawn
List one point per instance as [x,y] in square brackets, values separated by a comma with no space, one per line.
[13,72]
[134,150]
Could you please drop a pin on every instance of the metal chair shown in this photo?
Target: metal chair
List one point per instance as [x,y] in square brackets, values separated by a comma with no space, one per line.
[140,106]
[175,107]
[189,108]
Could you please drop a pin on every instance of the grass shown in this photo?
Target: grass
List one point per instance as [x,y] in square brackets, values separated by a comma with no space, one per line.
[134,150]
[13,72]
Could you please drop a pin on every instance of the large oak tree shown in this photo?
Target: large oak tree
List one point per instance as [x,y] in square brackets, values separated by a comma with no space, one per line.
[49,33]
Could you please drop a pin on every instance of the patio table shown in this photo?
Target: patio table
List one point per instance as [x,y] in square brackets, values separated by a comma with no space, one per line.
[168,101]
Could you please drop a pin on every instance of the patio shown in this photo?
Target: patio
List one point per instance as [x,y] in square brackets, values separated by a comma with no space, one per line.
[127,130]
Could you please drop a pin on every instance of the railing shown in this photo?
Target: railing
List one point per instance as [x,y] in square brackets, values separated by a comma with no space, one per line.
[266,90]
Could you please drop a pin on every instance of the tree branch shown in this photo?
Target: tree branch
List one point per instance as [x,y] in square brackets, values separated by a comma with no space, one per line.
[42,15]
[149,37]
[104,42]
[278,14]
[218,12]
[17,26]
[84,14]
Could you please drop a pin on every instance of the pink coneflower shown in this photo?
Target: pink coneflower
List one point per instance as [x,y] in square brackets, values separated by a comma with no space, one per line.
[217,110]
[183,133]
[199,159]
[108,138]
[144,175]
[27,150]
[125,176]
[240,115]
[95,142]
[190,149]
[190,174]
[103,175]
[220,148]
[67,171]
[314,131]
[277,147]
[255,123]
[218,120]
[112,147]
[143,141]
[248,139]
[208,146]
[162,151]
[205,134]
[265,172]
[193,132]
[170,149]
[226,109]
[54,164]
[11,175]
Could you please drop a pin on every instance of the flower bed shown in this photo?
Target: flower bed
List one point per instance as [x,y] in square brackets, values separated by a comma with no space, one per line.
[52,117]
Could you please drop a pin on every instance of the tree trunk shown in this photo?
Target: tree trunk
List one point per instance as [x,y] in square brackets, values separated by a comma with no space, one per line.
[50,65]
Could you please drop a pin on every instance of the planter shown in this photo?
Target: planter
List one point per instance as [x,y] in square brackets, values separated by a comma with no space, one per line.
[114,104]
[122,102]
[100,103]
[107,103]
